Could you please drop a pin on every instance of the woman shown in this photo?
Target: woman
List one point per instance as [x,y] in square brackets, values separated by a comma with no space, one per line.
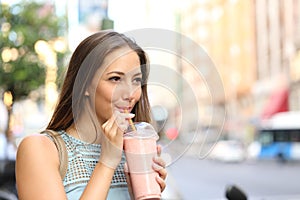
[105,87]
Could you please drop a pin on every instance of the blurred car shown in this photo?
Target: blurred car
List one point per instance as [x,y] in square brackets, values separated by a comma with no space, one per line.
[228,151]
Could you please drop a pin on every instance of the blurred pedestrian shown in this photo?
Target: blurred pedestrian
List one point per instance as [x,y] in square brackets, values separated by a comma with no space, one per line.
[106,77]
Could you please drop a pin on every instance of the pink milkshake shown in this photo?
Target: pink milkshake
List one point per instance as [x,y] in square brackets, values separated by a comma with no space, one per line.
[140,148]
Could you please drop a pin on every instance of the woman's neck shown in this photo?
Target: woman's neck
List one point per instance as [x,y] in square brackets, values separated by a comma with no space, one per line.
[85,127]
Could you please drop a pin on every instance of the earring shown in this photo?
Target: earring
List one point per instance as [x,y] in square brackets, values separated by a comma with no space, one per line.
[87,94]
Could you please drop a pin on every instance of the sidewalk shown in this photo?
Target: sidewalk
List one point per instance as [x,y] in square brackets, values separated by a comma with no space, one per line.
[172,191]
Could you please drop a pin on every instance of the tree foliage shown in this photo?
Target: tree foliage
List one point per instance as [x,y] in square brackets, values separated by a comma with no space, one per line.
[22,25]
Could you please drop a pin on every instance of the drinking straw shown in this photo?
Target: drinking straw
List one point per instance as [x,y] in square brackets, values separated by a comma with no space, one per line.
[131,122]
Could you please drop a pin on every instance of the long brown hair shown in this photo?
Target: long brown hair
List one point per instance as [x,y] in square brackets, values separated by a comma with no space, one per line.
[94,50]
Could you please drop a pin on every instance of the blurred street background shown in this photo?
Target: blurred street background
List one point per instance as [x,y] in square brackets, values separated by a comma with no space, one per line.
[244,131]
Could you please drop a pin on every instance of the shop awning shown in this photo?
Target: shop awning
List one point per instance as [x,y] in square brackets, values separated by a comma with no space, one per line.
[278,102]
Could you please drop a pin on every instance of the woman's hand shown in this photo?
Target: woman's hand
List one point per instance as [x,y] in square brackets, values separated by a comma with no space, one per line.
[159,166]
[112,138]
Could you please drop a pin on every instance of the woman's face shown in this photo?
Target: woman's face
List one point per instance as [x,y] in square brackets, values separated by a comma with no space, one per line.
[119,86]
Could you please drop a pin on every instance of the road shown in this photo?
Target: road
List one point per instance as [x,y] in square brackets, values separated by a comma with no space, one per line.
[206,179]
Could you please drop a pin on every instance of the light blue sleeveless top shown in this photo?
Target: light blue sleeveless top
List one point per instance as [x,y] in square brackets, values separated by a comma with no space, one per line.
[82,159]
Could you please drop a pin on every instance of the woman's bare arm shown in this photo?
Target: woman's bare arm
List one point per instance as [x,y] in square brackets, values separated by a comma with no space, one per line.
[38,177]
[37,169]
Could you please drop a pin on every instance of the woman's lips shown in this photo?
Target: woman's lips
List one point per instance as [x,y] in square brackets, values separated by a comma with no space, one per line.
[123,109]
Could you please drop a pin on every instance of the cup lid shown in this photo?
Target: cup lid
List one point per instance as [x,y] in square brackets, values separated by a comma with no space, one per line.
[143,130]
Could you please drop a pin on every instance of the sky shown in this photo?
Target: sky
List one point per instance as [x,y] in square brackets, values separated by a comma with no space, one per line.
[135,14]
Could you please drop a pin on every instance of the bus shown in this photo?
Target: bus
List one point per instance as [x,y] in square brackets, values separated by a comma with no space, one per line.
[279,137]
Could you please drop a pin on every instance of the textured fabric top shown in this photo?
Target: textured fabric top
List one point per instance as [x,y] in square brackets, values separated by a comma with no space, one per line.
[82,159]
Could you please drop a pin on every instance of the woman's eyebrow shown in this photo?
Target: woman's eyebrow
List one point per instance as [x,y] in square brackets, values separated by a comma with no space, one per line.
[115,72]
[138,73]
[122,73]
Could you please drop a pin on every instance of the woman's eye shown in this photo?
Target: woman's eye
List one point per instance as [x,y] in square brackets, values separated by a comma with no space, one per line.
[138,80]
[115,78]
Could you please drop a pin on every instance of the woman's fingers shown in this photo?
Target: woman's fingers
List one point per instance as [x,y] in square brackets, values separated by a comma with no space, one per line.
[158,149]
[109,127]
[161,183]
[122,120]
[160,169]
[117,121]
[159,166]
[159,161]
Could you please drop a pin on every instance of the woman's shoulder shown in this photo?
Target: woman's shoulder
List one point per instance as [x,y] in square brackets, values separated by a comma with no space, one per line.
[38,145]
[35,140]
[37,167]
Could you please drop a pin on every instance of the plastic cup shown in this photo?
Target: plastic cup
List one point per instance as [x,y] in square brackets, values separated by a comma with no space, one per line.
[140,148]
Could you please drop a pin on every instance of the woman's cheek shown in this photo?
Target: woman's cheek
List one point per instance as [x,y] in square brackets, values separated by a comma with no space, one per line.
[137,94]
[103,104]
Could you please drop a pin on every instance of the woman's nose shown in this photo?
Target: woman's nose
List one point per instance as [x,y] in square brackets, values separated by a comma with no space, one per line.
[129,98]
[127,92]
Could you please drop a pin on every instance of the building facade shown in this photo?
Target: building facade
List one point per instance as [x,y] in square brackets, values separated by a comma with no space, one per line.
[255,47]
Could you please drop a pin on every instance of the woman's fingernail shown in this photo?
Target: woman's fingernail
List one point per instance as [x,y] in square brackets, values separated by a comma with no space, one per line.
[156,167]
[131,115]
[156,159]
